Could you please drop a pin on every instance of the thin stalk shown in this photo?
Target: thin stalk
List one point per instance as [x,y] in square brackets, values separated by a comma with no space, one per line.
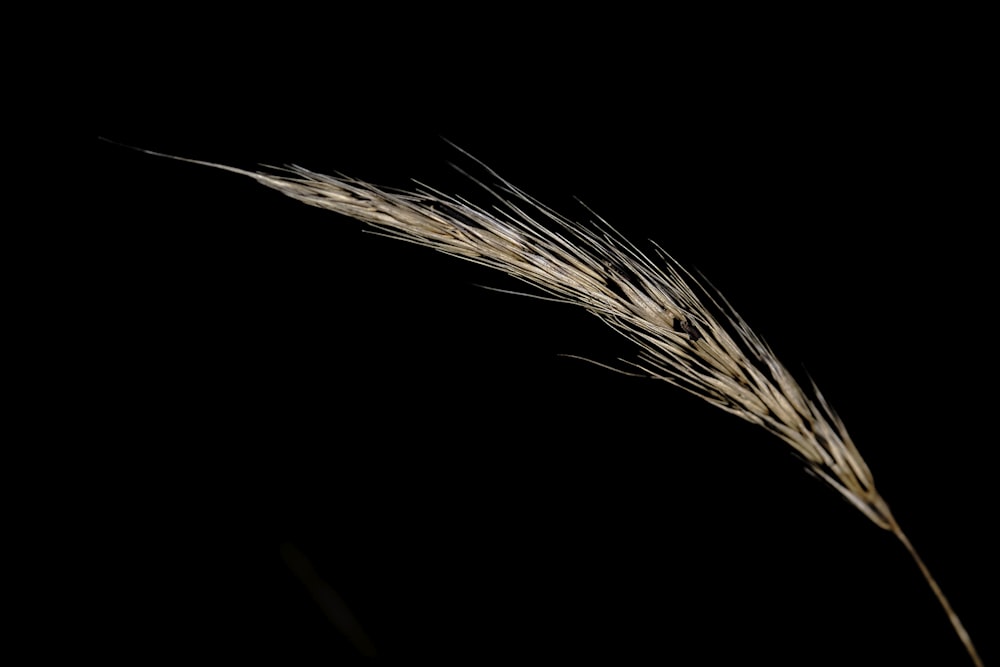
[956,622]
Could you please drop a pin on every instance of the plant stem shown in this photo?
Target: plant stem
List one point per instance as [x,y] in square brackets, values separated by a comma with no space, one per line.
[952,616]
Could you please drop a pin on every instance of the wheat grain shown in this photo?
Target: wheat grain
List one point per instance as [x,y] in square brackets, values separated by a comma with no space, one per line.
[687,334]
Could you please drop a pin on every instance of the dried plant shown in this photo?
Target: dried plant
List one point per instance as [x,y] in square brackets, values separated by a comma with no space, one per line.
[688,334]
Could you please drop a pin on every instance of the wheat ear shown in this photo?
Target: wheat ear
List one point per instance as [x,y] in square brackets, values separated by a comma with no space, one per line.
[688,334]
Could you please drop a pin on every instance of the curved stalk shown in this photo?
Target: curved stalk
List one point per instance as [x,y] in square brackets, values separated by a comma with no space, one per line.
[956,622]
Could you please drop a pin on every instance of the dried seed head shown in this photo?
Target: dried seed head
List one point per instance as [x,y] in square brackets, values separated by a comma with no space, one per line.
[687,334]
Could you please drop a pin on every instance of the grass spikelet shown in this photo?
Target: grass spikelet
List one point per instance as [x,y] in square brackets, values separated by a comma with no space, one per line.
[687,334]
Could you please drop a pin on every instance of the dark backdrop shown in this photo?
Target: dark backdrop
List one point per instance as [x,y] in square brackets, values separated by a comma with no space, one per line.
[467,491]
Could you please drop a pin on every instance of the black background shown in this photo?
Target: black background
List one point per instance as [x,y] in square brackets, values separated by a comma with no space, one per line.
[470,493]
